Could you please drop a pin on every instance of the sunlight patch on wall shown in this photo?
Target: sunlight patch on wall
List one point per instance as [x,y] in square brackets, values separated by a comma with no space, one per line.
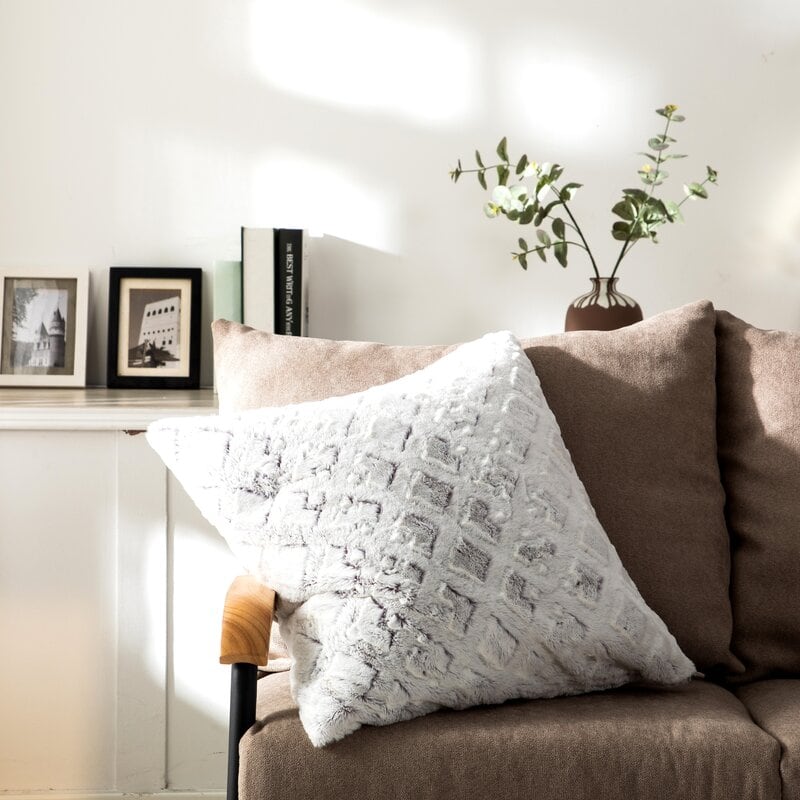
[782,220]
[203,568]
[566,99]
[291,190]
[348,55]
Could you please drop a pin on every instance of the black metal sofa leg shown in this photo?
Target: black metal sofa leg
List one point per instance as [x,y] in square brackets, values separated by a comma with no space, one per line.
[244,678]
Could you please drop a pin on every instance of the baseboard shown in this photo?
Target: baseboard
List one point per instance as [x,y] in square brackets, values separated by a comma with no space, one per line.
[165,795]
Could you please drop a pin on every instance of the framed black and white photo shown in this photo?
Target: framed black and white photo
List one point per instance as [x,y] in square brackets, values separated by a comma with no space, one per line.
[154,328]
[43,319]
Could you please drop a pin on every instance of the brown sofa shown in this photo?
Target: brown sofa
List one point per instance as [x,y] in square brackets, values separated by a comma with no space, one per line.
[685,430]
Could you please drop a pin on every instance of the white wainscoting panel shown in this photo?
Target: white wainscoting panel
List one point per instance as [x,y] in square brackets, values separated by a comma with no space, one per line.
[111,592]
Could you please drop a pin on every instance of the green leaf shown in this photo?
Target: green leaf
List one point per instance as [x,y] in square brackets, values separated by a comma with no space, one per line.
[502,174]
[621,231]
[502,149]
[523,260]
[625,210]
[543,237]
[673,155]
[695,190]
[657,144]
[523,245]
[556,172]
[544,211]
[655,178]
[521,165]
[658,210]
[568,191]
[678,118]
[636,194]
[650,156]
[478,159]
[673,211]
[513,215]
[558,228]
[712,175]
[526,217]
[653,215]
[560,251]
[482,179]
[540,251]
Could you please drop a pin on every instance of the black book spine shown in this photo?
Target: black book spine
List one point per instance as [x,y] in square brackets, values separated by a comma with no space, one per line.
[288,281]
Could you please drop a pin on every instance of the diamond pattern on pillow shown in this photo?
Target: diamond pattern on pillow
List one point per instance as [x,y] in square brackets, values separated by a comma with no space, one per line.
[430,543]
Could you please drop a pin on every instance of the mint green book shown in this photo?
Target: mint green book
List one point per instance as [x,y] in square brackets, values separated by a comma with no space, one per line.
[228,290]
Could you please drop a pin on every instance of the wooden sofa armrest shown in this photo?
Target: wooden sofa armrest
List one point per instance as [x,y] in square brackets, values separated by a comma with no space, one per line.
[246,622]
[246,625]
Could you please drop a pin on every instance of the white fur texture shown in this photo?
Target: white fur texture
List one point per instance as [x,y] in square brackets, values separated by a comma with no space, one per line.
[430,541]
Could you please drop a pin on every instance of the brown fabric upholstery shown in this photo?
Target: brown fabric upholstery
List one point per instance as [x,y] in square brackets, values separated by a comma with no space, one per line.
[775,707]
[636,743]
[758,384]
[637,412]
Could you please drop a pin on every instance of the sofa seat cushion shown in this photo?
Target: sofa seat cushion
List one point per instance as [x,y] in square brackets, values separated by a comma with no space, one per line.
[759,450]
[775,707]
[637,411]
[691,741]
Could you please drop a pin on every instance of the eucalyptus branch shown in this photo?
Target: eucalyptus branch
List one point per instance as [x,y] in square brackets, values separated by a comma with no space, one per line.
[627,244]
[640,211]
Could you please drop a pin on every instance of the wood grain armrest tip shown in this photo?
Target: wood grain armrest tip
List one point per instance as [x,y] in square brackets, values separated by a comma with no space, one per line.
[247,622]
[255,659]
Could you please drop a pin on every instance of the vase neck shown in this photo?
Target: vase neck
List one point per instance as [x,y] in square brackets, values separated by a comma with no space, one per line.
[604,283]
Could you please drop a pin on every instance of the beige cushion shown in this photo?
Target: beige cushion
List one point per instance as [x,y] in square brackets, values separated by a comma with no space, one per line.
[636,409]
[759,449]
[695,741]
[775,707]
[254,369]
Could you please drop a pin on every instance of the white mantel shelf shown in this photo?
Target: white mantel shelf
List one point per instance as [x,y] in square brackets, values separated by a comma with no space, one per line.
[99,409]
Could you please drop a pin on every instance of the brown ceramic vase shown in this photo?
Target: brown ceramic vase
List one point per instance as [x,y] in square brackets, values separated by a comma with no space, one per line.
[602,309]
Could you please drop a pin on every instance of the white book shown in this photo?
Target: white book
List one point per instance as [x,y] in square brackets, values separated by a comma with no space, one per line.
[258,278]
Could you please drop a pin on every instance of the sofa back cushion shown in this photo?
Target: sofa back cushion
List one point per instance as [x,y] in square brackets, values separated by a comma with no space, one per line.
[758,382]
[636,408]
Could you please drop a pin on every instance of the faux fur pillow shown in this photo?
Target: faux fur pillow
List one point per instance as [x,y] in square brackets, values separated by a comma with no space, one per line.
[430,542]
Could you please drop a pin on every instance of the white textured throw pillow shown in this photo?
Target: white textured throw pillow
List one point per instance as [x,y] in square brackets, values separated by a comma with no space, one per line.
[430,542]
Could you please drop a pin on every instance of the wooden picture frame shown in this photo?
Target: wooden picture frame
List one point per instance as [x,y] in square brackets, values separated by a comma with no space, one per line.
[154,327]
[43,324]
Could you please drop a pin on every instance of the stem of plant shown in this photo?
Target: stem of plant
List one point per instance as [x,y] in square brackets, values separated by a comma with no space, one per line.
[627,244]
[578,230]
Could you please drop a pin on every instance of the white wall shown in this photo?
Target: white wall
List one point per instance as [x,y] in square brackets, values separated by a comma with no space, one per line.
[146,132]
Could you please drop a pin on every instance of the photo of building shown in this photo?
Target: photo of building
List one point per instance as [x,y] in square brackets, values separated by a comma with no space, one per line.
[40,328]
[155,326]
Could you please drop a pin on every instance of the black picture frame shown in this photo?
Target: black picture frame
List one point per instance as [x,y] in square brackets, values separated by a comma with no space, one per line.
[149,304]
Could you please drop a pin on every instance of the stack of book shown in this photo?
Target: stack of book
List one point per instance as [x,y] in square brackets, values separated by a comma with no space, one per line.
[270,282]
